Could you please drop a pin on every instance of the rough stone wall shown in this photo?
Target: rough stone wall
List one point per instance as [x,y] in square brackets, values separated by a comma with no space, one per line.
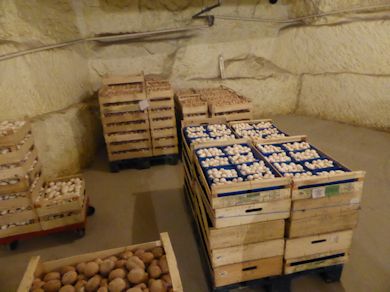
[335,67]
[48,87]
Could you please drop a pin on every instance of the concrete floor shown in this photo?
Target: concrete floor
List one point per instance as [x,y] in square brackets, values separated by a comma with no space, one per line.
[134,206]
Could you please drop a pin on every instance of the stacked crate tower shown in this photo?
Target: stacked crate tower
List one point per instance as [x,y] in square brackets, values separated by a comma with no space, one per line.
[162,118]
[124,115]
[241,224]
[20,179]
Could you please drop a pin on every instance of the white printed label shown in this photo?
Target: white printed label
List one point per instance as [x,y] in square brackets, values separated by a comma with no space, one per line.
[143,104]
[318,193]
[355,201]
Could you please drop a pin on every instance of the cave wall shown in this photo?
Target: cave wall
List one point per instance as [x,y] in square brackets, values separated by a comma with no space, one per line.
[51,88]
[335,67]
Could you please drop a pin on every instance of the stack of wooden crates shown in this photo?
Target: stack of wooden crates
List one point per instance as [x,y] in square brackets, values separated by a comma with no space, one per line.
[138,117]
[124,115]
[241,224]
[162,117]
[20,180]
[269,227]
[25,211]
[192,104]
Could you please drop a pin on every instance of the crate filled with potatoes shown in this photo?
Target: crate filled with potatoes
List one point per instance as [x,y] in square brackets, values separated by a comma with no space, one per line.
[137,268]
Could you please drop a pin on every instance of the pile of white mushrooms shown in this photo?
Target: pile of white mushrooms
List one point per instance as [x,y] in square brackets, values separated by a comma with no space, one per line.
[70,189]
[10,127]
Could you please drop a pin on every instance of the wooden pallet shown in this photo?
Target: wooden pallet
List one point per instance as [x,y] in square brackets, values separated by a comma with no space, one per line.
[37,267]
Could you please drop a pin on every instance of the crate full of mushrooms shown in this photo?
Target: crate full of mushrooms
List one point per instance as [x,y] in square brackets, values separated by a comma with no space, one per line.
[60,200]
[299,159]
[17,213]
[19,164]
[206,133]
[143,267]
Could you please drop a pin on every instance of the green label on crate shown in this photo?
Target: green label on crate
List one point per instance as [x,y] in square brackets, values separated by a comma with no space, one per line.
[332,190]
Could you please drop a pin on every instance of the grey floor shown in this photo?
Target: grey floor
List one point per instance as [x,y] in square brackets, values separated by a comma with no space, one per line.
[134,206]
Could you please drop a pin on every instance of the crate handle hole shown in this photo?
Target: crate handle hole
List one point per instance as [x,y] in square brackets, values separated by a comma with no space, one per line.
[253,210]
[249,268]
[318,241]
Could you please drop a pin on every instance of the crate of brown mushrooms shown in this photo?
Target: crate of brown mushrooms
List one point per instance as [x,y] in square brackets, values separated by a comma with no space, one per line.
[190,105]
[143,267]
[162,116]
[124,115]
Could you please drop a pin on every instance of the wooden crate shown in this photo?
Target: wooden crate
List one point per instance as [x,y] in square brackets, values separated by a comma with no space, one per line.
[24,198]
[315,261]
[317,251]
[17,152]
[123,79]
[326,203]
[242,270]
[129,154]
[14,138]
[226,102]
[70,203]
[37,267]
[22,167]
[244,202]
[71,218]
[167,150]
[257,139]
[24,182]
[191,107]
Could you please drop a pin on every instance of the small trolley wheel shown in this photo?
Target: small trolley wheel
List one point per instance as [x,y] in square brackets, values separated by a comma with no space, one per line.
[114,167]
[13,245]
[80,232]
[90,211]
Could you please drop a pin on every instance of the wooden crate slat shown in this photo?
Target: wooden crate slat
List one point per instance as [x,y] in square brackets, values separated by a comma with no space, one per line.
[159,151]
[128,136]
[246,271]
[125,117]
[130,145]
[316,261]
[125,127]
[17,155]
[323,224]
[310,245]
[22,169]
[123,79]
[17,136]
[130,154]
